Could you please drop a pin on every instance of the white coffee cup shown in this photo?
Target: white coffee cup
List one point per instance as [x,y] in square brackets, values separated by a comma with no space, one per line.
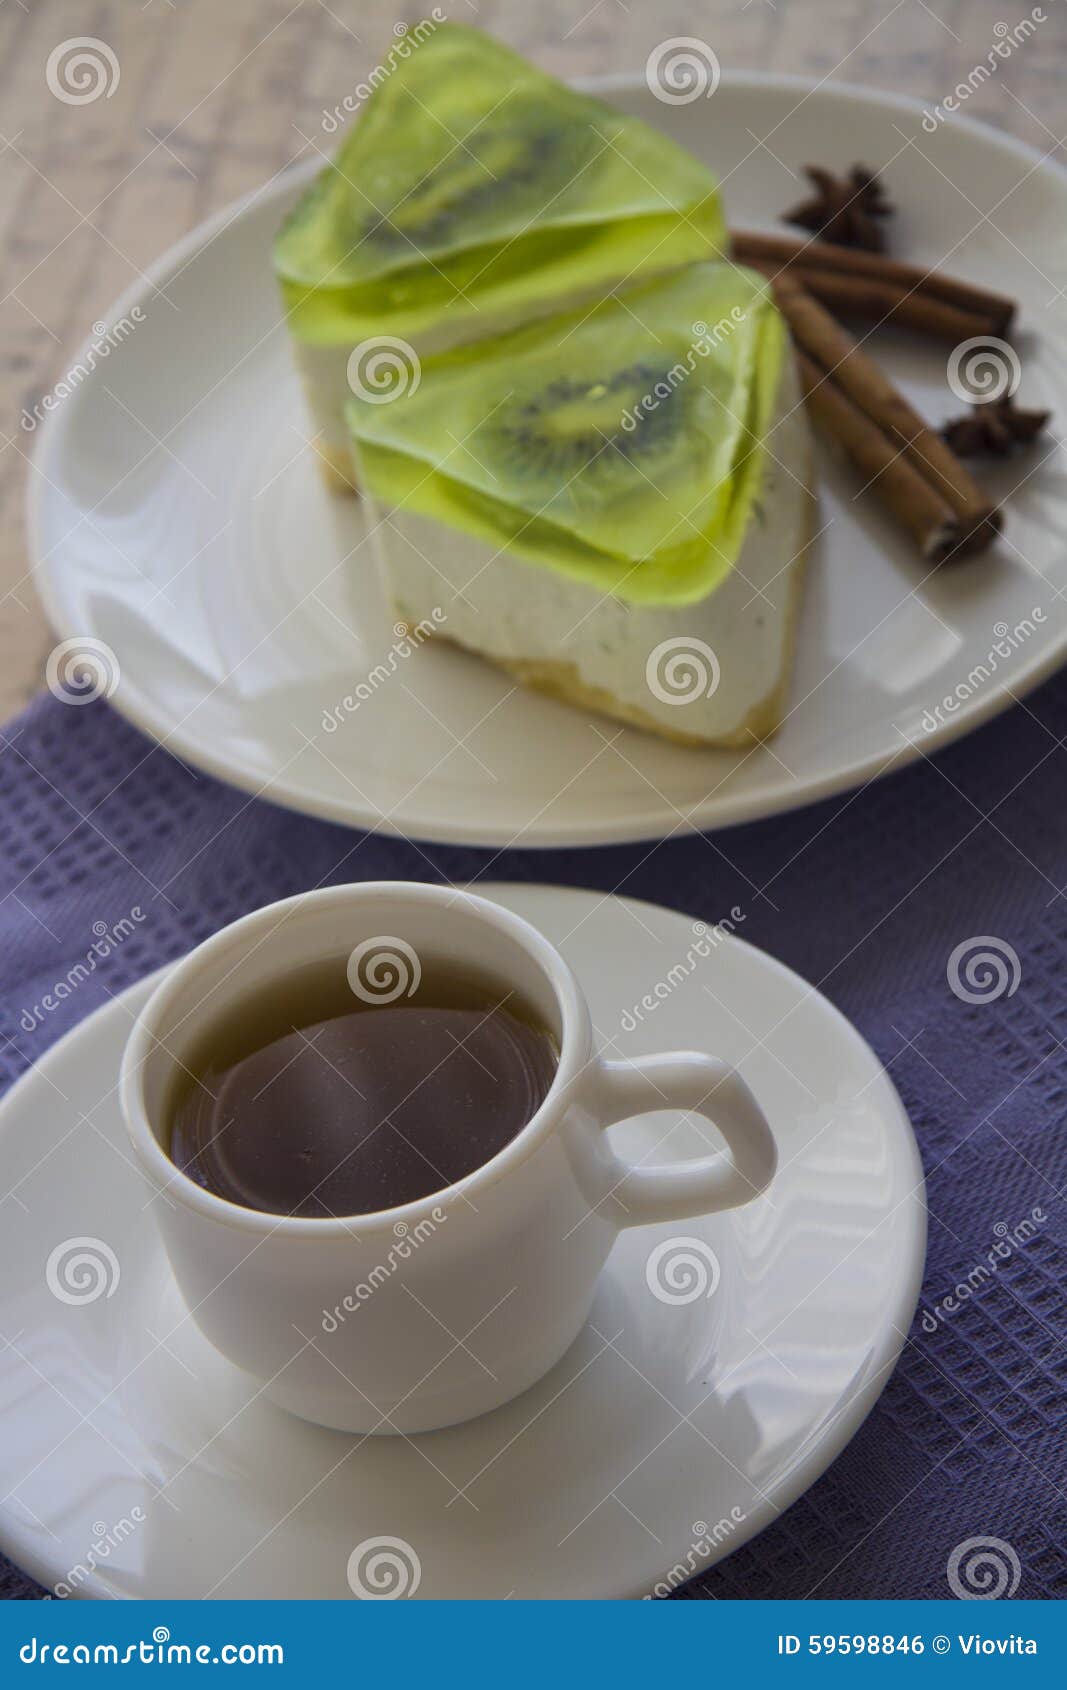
[424,1315]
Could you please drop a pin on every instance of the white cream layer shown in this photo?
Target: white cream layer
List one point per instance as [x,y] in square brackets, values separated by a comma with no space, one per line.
[658,660]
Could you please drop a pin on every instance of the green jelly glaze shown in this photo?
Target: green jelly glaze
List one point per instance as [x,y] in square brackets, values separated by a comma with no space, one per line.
[623,445]
[474,183]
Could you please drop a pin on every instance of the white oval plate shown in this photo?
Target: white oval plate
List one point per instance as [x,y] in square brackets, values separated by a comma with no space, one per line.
[689,1413]
[177,516]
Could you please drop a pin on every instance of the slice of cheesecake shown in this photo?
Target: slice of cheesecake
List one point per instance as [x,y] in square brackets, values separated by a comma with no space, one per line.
[472,193]
[614,504]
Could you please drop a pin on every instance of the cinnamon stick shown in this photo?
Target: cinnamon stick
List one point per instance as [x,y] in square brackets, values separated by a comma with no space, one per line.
[872,285]
[885,302]
[912,469]
[912,501]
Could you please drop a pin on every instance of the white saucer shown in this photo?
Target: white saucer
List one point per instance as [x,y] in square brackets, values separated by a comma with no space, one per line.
[685,1418]
[176,515]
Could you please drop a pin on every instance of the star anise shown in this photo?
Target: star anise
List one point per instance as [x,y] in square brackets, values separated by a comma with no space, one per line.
[993,429]
[844,209]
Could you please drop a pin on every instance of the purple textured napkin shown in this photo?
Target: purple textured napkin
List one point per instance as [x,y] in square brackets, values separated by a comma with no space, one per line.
[868,896]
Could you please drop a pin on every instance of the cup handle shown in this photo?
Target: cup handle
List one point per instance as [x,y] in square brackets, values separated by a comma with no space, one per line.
[704,1085]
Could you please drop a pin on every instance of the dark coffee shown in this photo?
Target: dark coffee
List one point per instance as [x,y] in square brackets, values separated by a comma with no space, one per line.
[311,1099]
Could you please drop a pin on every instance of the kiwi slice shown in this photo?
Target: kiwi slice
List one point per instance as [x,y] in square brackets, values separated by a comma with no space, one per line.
[516,164]
[599,427]
[622,444]
[471,182]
